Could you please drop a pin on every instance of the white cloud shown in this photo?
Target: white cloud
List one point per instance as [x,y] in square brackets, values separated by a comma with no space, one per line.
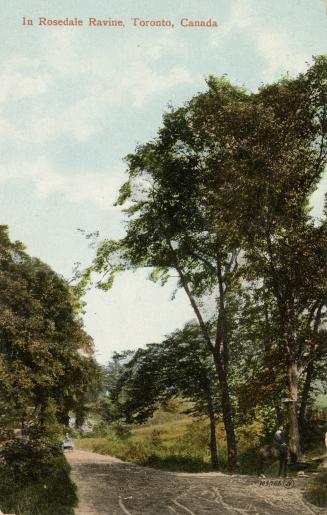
[61,55]
[133,313]
[280,52]
[87,115]
[7,130]
[100,189]
[97,87]
[162,45]
[241,16]
[144,82]
[16,84]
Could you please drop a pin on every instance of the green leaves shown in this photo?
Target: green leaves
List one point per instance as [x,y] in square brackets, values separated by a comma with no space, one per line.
[220,196]
[179,366]
[160,274]
[124,193]
[45,354]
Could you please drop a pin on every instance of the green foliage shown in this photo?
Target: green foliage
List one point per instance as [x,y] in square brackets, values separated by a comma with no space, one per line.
[137,381]
[221,197]
[155,438]
[46,367]
[36,482]
[196,440]
[151,451]
[316,491]
[120,429]
[313,434]
[179,442]
[46,372]
[176,463]
[124,193]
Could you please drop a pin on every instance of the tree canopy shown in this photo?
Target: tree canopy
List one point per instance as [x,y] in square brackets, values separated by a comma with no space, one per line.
[221,196]
[46,364]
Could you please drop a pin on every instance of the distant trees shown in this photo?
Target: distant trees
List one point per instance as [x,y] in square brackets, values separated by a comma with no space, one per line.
[46,364]
[180,366]
[221,196]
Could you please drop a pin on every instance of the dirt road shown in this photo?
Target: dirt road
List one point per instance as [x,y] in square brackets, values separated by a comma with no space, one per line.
[108,486]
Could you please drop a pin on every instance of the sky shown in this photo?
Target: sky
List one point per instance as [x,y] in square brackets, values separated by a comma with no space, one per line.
[74,100]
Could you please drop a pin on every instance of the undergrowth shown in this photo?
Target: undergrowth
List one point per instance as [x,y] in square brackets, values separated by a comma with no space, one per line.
[36,483]
[174,441]
[316,491]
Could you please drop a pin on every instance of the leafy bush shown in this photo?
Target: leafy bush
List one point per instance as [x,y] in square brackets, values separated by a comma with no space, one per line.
[155,439]
[125,450]
[149,453]
[313,435]
[176,442]
[316,491]
[113,430]
[195,440]
[35,481]
[120,429]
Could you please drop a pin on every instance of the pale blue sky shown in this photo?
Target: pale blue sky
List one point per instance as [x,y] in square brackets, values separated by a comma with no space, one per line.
[74,101]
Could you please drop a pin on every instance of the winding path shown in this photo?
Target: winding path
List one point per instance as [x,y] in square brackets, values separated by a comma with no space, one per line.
[108,486]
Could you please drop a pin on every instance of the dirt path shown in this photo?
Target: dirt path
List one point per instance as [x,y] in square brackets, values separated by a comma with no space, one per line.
[108,486]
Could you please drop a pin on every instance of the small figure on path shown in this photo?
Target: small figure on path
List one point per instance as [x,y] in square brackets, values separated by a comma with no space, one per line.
[68,443]
[281,446]
[279,436]
[278,450]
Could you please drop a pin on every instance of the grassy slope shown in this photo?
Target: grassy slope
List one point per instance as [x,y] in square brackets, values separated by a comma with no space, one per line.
[171,440]
[178,441]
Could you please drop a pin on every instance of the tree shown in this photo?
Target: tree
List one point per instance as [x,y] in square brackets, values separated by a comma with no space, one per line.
[172,227]
[284,249]
[45,355]
[228,177]
[162,371]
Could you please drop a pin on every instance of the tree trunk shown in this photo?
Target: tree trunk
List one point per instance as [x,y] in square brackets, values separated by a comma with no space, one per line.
[227,413]
[221,357]
[221,366]
[279,415]
[305,396]
[213,434]
[310,367]
[294,432]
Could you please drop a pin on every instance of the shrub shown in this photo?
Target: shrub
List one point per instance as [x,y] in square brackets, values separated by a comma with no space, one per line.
[195,441]
[313,435]
[114,430]
[120,429]
[316,491]
[35,481]
[155,439]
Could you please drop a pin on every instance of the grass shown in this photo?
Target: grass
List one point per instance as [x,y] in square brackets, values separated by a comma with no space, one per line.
[179,442]
[169,440]
[174,441]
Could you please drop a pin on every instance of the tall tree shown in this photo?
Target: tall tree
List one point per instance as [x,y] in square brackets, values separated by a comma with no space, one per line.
[172,226]
[46,362]
[230,175]
[284,248]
